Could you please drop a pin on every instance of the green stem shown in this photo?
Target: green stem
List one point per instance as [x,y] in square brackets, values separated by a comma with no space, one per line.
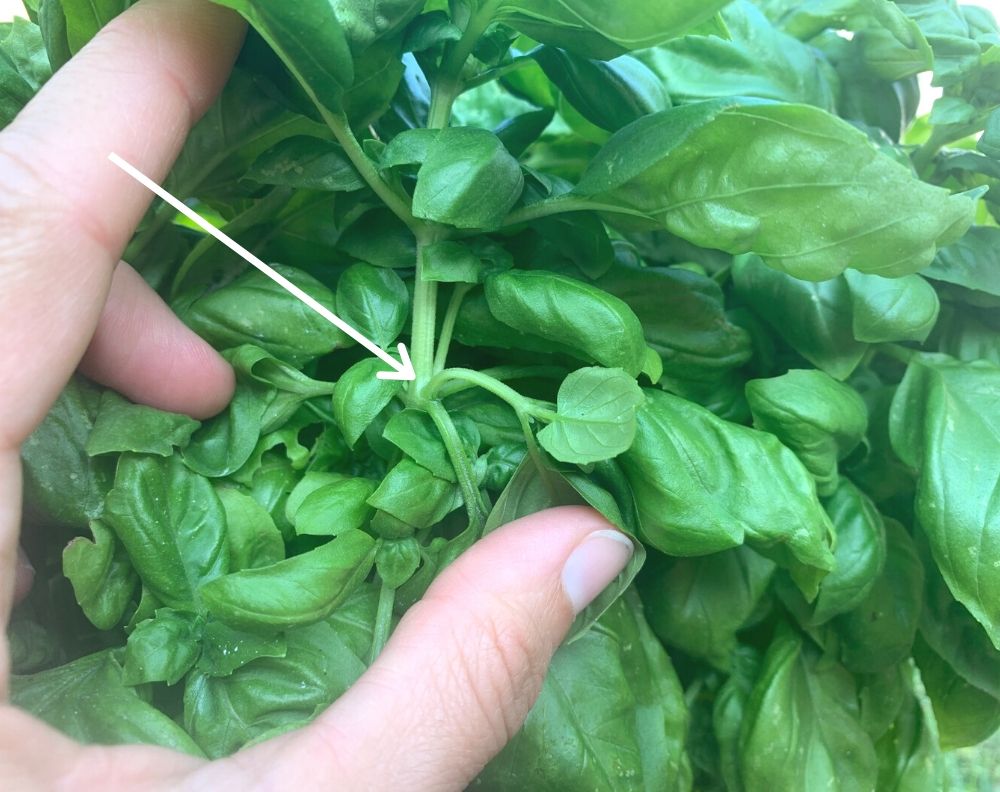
[366,168]
[424,319]
[504,373]
[383,621]
[448,83]
[498,72]
[901,353]
[448,326]
[474,504]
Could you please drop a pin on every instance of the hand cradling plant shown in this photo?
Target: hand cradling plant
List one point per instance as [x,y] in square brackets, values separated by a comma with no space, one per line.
[692,273]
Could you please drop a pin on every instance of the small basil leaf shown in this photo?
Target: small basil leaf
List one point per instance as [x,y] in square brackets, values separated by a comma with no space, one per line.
[224,443]
[297,591]
[162,649]
[396,560]
[123,426]
[224,650]
[306,163]
[101,574]
[360,396]
[892,309]
[413,432]
[254,541]
[456,262]
[411,493]
[335,508]
[374,301]
[595,416]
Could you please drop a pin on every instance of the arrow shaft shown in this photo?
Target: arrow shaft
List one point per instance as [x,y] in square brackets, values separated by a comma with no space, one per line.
[250,258]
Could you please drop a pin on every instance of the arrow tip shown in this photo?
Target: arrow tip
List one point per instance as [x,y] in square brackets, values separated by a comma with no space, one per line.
[402,371]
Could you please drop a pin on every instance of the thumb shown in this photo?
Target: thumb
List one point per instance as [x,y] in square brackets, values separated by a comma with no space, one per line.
[466,663]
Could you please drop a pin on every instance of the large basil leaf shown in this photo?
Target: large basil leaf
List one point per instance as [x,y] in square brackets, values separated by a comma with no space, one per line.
[600,31]
[789,188]
[307,163]
[858,554]
[270,695]
[308,37]
[699,604]
[815,319]
[171,523]
[802,728]
[945,422]
[631,737]
[759,60]
[295,592]
[820,419]
[101,574]
[702,484]
[595,416]
[570,313]
[88,700]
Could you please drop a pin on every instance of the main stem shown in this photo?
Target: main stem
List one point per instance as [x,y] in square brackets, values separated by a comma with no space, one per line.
[424,320]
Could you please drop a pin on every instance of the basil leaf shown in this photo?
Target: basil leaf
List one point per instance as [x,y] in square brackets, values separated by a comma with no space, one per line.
[359,396]
[254,540]
[972,262]
[702,485]
[224,650]
[306,163]
[941,412]
[413,432]
[820,419]
[815,319]
[630,737]
[595,416]
[397,560]
[162,649]
[468,180]
[101,574]
[295,592]
[172,524]
[416,496]
[859,552]
[335,508]
[571,313]
[122,426]
[892,309]
[455,262]
[811,703]
[656,166]
[374,301]
[224,443]
[88,700]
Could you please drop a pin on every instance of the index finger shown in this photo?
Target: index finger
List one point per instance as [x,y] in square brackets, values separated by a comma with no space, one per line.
[66,212]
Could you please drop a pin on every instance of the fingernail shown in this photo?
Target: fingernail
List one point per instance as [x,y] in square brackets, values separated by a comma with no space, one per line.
[595,562]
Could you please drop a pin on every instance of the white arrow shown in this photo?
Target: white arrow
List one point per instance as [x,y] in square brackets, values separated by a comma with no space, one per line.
[400,371]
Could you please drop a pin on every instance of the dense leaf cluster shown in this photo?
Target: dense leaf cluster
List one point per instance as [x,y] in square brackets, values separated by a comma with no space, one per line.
[693,263]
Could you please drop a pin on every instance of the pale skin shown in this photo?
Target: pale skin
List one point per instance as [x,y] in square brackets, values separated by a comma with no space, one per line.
[460,673]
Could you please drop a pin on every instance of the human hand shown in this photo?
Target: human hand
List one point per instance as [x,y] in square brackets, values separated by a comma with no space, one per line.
[465,664]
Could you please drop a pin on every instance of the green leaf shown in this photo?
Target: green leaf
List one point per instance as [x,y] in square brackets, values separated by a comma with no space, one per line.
[162,649]
[224,443]
[253,309]
[468,180]
[891,309]
[416,496]
[254,540]
[295,592]
[879,632]
[306,163]
[271,695]
[756,60]
[699,604]
[599,31]
[815,319]
[945,424]
[224,650]
[360,396]
[457,262]
[88,700]
[413,432]
[570,313]
[801,728]
[171,523]
[311,42]
[85,17]
[989,143]
[820,419]
[335,508]
[122,426]
[62,483]
[702,484]
[381,239]
[374,301]
[595,416]
[859,552]
[972,262]
[101,574]
[609,94]
[799,187]
[628,737]
[396,560]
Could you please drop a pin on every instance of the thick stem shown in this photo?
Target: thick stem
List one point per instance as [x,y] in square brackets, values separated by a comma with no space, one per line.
[424,320]
[352,148]
[448,83]
[448,326]
[474,505]
[383,621]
